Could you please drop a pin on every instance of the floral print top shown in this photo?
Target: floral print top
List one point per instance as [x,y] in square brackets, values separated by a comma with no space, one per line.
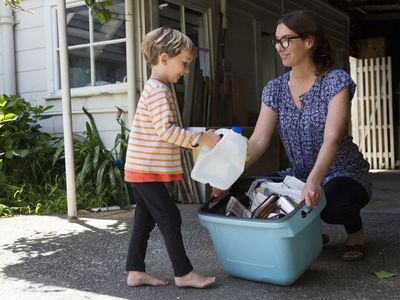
[302,129]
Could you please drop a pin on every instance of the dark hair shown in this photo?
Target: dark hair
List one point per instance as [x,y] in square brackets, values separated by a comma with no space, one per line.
[303,23]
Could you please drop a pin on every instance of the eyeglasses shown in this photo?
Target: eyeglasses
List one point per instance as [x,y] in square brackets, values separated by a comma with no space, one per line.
[285,41]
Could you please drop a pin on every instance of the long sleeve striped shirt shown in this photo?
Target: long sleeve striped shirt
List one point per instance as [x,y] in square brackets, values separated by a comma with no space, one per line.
[155,138]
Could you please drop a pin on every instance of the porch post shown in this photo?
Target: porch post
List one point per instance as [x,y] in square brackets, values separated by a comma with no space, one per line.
[66,105]
[7,49]
[130,58]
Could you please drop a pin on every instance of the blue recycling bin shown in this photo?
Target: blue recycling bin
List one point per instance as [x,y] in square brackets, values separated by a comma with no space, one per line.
[273,251]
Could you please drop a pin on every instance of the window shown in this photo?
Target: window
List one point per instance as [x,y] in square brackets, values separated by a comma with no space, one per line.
[192,22]
[96,52]
[193,90]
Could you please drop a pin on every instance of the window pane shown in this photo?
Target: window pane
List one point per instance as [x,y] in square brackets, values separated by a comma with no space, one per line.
[77,25]
[79,67]
[110,62]
[194,26]
[115,28]
[169,15]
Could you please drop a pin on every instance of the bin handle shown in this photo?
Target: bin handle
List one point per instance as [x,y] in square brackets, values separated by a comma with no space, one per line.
[305,213]
[213,202]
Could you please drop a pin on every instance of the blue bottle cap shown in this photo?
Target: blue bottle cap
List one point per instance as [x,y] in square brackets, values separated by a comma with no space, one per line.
[237,129]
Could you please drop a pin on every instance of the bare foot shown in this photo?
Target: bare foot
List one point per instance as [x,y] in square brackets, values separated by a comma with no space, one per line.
[142,278]
[195,280]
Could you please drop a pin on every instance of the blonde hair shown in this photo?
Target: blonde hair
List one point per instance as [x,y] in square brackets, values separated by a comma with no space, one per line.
[166,40]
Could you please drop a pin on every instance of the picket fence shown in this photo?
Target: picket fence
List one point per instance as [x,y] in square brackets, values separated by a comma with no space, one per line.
[372,110]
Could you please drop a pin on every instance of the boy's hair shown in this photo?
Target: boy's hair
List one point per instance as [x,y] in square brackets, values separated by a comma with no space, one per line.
[166,40]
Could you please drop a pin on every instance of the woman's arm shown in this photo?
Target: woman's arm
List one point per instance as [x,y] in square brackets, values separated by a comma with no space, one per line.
[259,140]
[261,136]
[335,127]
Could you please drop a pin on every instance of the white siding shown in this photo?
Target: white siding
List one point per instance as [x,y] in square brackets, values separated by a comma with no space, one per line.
[1,67]
[102,108]
[29,38]
[30,52]
[33,72]
[31,60]
[31,81]
[35,98]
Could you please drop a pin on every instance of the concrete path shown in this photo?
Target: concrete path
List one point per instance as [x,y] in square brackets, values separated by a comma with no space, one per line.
[47,257]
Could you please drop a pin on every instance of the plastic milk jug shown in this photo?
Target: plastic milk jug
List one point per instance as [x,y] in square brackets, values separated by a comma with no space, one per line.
[222,165]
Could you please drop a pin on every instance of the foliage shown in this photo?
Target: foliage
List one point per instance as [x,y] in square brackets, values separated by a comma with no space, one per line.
[98,169]
[32,170]
[27,171]
[20,129]
[100,9]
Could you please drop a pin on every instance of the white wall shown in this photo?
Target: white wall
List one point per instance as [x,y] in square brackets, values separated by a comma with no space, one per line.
[30,52]
[33,71]
[1,70]
[102,108]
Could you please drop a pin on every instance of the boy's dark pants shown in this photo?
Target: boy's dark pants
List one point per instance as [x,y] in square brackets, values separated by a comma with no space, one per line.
[154,205]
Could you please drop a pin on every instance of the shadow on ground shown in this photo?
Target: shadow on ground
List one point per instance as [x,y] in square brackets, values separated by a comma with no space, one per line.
[89,255]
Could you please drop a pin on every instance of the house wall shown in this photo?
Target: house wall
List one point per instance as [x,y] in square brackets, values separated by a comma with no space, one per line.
[252,61]
[245,58]
[1,69]
[30,53]
[244,55]
[34,35]
[34,77]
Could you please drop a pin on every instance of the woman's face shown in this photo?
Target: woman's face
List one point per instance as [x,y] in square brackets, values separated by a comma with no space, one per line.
[298,48]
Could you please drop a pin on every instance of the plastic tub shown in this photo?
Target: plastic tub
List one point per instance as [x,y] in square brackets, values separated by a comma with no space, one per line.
[273,251]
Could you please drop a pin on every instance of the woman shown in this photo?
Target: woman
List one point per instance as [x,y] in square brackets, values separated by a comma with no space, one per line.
[310,105]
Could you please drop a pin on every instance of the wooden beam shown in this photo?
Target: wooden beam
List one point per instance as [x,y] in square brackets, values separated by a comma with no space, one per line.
[382,17]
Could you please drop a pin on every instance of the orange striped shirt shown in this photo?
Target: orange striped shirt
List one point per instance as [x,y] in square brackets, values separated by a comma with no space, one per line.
[155,139]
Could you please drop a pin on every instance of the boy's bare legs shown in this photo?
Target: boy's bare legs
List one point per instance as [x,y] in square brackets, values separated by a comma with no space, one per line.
[136,278]
[195,280]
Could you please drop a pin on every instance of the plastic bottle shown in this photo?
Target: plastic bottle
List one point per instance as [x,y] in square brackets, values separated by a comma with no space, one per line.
[222,165]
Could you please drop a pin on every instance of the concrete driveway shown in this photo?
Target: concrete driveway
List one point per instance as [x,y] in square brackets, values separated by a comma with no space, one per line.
[47,257]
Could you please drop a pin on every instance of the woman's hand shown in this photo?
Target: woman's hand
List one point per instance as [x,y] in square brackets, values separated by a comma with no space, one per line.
[216,193]
[311,193]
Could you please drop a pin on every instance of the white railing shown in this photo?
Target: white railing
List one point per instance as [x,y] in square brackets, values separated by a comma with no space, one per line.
[372,110]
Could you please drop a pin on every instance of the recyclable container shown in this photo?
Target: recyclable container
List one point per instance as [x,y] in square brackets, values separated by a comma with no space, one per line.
[273,251]
[222,165]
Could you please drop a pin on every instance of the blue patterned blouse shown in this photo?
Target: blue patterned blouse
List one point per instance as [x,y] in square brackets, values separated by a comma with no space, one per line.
[302,129]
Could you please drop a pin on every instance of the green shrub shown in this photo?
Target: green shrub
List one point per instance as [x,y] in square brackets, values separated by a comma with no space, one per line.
[32,168]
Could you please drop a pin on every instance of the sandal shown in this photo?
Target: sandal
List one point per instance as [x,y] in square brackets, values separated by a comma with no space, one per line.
[353,253]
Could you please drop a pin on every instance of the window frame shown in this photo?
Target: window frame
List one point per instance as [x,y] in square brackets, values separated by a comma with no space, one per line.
[53,79]
[205,9]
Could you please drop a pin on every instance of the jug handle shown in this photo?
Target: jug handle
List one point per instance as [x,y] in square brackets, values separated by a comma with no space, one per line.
[220,132]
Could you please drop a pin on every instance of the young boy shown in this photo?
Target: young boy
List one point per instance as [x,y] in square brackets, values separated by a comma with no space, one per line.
[153,158]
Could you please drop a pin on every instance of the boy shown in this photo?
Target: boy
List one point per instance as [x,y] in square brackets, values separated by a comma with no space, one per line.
[153,157]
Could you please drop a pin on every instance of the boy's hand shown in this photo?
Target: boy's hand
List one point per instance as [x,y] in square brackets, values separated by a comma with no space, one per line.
[209,139]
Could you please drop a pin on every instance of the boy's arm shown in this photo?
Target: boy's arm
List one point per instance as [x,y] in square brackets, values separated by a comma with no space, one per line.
[162,110]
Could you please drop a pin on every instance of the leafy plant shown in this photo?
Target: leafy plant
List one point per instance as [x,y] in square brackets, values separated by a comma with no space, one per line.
[98,169]
[100,9]
[26,164]
[32,170]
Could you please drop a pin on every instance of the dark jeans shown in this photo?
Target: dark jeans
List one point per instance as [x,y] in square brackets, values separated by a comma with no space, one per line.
[154,205]
[345,197]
